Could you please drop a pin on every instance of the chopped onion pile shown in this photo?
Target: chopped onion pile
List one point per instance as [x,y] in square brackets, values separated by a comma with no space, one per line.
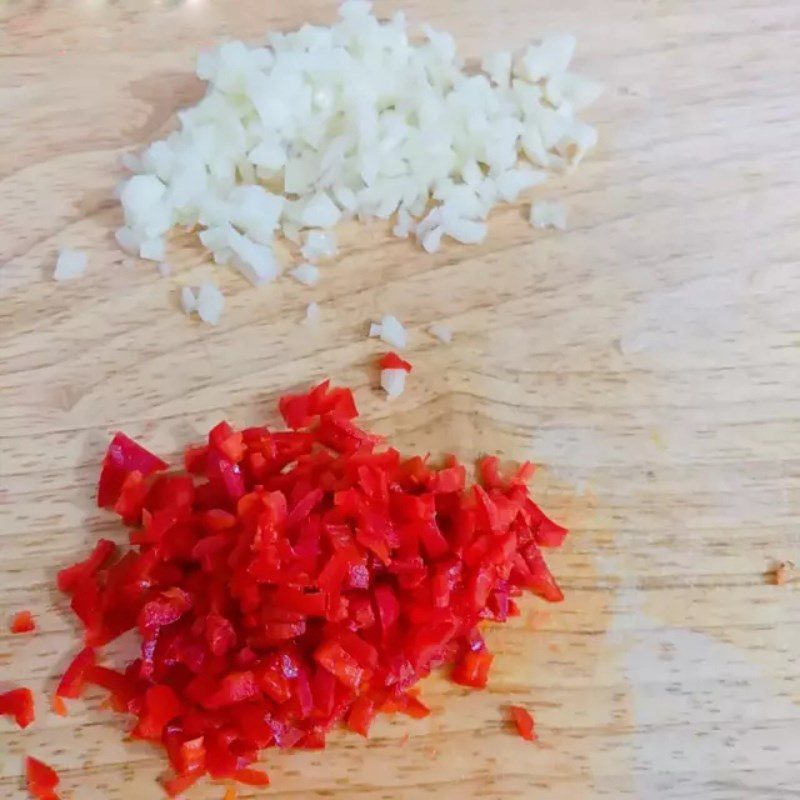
[323,124]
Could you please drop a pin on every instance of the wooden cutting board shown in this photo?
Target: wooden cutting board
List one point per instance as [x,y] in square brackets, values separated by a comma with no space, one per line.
[648,358]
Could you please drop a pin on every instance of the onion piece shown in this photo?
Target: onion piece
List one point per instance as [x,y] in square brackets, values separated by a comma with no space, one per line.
[393,382]
[70,264]
[210,303]
[441,332]
[307,274]
[549,215]
[312,314]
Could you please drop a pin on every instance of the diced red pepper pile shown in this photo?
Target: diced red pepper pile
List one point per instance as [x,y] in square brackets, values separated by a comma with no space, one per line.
[294,580]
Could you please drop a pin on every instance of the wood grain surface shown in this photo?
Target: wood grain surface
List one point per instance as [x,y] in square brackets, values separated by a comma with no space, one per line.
[648,358]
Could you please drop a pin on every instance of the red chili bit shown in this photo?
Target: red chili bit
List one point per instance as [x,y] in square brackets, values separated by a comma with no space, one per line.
[524,722]
[23,622]
[42,780]
[74,679]
[393,361]
[18,703]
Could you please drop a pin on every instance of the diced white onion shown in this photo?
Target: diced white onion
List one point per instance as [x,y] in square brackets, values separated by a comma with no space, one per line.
[393,333]
[319,245]
[441,332]
[546,214]
[70,264]
[188,300]
[152,249]
[312,314]
[210,303]
[393,382]
[307,274]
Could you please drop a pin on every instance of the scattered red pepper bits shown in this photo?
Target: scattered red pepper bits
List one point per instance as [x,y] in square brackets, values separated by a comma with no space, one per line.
[523,722]
[42,780]
[74,680]
[295,581]
[59,706]
[393,361]
[71,577]
[123,459]
[781,573]
[252,777]
[473,669]
[23,622]
[175,787]
[18,703]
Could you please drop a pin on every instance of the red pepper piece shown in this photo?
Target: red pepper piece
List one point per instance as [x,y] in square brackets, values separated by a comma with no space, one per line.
[393,361]
[489,470]
[23,622]
[192,756]
[123,688]
[332,656]
[362,712]
[343,436]
[42,780]
[252,777]
[18,703]
[182,783]
[75,678]
[296,411]
[229,442]
[548,533]
[69,577]
[123,457]
[60,707]
[473,669]
[234,688]
[130,502]
[542,581]
[161,705]
[194,459]
[523,722]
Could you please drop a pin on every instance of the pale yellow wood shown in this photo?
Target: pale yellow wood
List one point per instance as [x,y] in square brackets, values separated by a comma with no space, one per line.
[649,358]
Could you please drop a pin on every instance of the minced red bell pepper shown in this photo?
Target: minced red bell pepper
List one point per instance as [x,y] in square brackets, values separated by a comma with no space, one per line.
[123,458]
[473,669]
[393,361]
[42,780]
[74,680]
[523,722]
[297,580]
[18,703]
[23,622]
[70,577]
